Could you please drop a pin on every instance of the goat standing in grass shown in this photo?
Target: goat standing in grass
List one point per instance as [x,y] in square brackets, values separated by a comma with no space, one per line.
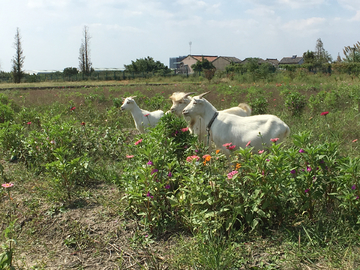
[142,118]
[196,125]
[228,128]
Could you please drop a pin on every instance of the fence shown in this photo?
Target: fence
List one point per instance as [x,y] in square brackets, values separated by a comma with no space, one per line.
[95,76]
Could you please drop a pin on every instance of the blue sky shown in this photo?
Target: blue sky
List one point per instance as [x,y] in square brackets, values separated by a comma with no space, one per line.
[123,30]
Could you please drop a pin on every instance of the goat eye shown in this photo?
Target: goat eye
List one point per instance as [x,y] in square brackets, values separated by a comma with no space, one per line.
[128,102]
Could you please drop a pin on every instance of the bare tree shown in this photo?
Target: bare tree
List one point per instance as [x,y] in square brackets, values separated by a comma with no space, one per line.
[84,53]
[321,55]
[18,60]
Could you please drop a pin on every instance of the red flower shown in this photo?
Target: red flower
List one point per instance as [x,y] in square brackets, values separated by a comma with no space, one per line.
[274,139]
[29,123]
[184,129]
[139,141]
[324,113]
[72,108]
[83,123]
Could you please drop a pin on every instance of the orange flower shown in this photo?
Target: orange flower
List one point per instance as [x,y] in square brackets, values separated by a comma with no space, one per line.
[217,151]
[237,166]
[207,157]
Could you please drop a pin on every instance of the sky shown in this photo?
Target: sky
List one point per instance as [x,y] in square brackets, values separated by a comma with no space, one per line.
[122,31]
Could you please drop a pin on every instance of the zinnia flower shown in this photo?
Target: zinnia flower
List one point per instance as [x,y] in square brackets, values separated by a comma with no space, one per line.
[227,144]
[324,113]
[207,157]
[191,158]
[231,147]
[170,174]
[139,141]
[29,123]
[154,171]
[301,151]
[72,108]
[355,140]
[146,115]
[83,123]
[261,151]
[307,190]
[293,171]
[248,144]
[184,129]
[308,168]
[274,139]
[7,185]
[149,195]
[167,186]
[353,187]
[150,163]
[129,156]
[231,174]
[217,151]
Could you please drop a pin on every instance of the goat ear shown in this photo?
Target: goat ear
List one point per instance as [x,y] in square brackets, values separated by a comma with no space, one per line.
[133,97]
[203,94]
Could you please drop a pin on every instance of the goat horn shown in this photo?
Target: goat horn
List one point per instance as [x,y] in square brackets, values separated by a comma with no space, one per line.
[203,94]
[133,96]
[188,94]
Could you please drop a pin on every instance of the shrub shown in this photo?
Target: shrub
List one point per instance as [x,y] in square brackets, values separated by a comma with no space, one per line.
[294,102]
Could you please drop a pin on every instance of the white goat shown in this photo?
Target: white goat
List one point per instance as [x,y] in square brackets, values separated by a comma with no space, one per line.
[229,128]
[196,124]
[142,118]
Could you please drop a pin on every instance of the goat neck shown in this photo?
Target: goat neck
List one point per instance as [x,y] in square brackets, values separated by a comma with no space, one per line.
[208,112]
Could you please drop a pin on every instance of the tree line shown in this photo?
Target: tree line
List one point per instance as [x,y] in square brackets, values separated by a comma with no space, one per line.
[314,61]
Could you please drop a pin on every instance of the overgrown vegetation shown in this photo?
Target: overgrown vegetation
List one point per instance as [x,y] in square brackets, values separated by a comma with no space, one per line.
[81,181]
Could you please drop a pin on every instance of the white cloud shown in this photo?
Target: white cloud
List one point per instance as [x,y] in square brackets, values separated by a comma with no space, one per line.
[295,4]
[305,25]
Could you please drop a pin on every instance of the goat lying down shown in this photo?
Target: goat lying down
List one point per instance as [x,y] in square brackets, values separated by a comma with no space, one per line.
[196,124]
[142,118]
[229,128]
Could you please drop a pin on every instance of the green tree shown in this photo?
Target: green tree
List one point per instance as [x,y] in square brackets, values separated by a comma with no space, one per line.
[321,55]
[309,57]
[204,64]
[70,71]
[85,64]
[147,64]
[18,60]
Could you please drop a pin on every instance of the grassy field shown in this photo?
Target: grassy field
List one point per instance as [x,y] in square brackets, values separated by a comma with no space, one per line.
[79,202]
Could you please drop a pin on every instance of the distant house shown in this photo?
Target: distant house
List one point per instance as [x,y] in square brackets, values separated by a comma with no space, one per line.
[188,61]
[221,62]
[247,60]
[174,62]
[294,60]
[272,61]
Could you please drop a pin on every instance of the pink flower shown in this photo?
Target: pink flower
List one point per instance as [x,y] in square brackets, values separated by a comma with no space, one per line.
[167,186]
[129,156]
[154,171]
[184,129]
[261,151]
[149,195]
[301,151]
[139,141]
[230,175]
[355,140]
[29,123]
[231,147]
[308,168]
[353,187]
[146,115]
[307,190]
[274,139]
[248,144]
[324,113]
[191,158]
[170,174]
[7,185]
[150,163]
[72,108]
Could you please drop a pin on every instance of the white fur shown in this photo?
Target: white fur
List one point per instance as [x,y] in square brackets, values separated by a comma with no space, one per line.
[141,121]
[229,128]
[196,124]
